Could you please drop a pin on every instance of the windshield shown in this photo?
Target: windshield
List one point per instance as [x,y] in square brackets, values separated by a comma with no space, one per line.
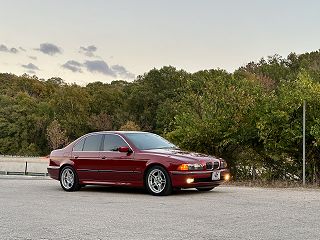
[147,141]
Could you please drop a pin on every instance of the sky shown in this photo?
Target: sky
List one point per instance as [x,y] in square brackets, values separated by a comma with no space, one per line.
[85,41]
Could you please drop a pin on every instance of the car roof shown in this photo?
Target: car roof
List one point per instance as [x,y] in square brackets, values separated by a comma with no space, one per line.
[120,132]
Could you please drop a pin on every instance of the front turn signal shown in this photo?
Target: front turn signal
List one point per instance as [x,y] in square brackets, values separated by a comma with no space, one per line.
[183,167]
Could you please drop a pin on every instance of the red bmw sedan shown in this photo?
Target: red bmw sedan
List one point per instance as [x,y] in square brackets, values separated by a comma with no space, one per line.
[135,159]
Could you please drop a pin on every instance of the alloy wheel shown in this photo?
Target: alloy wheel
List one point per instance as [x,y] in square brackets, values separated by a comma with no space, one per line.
[157,181]
[67,178]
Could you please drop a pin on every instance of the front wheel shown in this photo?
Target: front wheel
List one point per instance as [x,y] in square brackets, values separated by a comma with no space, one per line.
[205,189]
[69,179]
[158,181]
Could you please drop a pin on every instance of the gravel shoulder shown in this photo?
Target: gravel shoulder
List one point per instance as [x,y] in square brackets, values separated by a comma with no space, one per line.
[40,209]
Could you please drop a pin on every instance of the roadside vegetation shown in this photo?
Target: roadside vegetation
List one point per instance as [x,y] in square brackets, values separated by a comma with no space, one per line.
[251,117]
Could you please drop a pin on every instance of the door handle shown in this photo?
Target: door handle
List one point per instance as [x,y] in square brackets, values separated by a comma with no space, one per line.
[103,157]
[76,157]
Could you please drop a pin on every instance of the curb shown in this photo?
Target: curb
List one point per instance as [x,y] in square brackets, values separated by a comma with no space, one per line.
[24,177]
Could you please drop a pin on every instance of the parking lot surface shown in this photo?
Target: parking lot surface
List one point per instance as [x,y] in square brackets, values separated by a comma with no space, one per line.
[35,208]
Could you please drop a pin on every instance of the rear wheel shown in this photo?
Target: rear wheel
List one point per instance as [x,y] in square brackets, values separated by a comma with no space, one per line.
[69,180]
[158,181]
[205,189]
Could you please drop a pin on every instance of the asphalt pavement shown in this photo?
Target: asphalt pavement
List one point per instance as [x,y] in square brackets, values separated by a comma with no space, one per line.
[37,208]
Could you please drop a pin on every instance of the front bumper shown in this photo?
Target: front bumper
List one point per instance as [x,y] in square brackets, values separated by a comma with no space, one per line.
[201,178]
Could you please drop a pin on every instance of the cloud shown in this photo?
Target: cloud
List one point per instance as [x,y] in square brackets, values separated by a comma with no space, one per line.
[90,48]
[49,49]
[122,72]
[4,48]
[33,57]
[30,67]
[88,51]
[14,50]
[73,66]
[99,66]
[22,49]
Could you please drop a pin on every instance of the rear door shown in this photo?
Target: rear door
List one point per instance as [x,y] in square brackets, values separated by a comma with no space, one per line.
[87,157]
[116,167]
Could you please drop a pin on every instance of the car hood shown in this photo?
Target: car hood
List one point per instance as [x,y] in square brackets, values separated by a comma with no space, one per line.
[183,155]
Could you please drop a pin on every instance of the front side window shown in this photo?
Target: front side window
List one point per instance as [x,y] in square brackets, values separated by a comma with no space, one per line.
[113,142]
[92,143]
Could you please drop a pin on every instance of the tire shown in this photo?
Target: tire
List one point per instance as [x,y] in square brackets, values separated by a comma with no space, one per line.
[69,179]
[158,182]
[205,189]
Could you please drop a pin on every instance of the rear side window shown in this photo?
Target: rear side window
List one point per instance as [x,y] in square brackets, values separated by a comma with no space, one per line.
[113,142]
[79,145]
[92,143]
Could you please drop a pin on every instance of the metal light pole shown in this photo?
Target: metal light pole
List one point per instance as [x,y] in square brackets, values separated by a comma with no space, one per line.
[304,145]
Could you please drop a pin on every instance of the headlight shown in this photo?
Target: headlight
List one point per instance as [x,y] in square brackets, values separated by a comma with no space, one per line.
[188,167]
[223,164]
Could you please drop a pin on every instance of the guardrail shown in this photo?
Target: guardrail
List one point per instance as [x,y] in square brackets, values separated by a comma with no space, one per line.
[17,165]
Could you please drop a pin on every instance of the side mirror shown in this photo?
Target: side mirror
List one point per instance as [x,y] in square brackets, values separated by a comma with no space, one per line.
[125,149]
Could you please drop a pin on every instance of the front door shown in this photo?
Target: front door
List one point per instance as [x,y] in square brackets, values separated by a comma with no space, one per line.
[116,167]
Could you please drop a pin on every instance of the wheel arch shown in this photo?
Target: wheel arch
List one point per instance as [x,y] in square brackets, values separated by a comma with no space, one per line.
[150,166]
[65,165]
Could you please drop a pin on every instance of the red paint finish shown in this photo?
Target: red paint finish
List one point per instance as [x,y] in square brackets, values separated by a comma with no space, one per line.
[126,164]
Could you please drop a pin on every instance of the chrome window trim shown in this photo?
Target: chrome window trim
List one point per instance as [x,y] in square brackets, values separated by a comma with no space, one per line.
[120,137]
[85,138]
[79,140]
[97,133]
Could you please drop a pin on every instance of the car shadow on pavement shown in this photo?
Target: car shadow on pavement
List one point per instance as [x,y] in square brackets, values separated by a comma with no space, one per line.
[127,190]
[94,188]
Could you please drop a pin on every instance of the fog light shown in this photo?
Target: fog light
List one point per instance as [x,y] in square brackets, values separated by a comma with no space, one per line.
[227,177]
[190,180]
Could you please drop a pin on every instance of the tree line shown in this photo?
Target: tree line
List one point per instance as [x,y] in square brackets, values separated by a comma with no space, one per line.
[251,117]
